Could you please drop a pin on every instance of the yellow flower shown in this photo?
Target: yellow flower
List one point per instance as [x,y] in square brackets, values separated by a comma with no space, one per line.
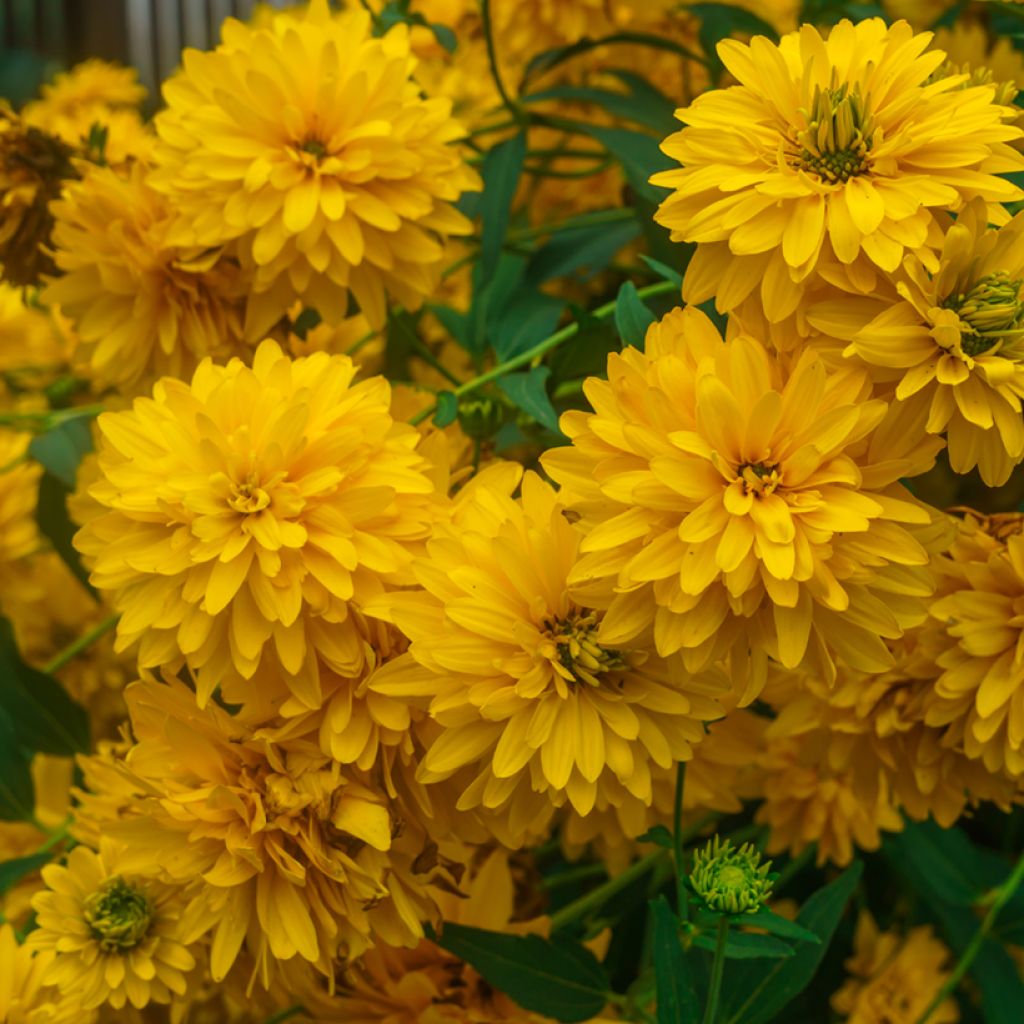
[894,977]
[19,492]
[289,853]
[143,307]
[737,500]
[117,937]
[308,147]
[33,167]
[33,348]
[974,635]
[533,711]
[969,47]
[829,158]
[246,515]
[953,342]
[25,997]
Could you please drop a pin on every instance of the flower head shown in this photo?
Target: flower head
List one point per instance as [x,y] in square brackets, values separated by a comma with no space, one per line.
[117,937]
[894,976]
[736,500]
[25,997]
[247,513]
[307,146]
[730,880]
[830,156]
[143,308]
[530,707]
[19,492]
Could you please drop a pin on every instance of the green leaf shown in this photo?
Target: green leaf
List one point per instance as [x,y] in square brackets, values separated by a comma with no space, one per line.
[528,392]
[556,978]
[453,321]
[17,794]
[776,925]
[755,994]
[447,408]
[642,104]
[639,154]
[589,247]
[662,269]
[444,35]
[720,21]
[502,167]
[659,835]
[676,993]
[940,862]
[745,946]
[13,871]
[47,719]
[632,317]
[55,523]
[61,450]
[528,316]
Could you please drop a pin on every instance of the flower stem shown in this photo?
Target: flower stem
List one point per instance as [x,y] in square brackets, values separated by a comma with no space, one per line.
[59,660]
[1003,894]
[513,108]
[717,970]
[599,896]
[682,904]
[541,348]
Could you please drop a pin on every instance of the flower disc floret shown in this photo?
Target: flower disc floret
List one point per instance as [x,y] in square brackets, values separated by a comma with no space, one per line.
[305,144]
[244,515]
[730,880]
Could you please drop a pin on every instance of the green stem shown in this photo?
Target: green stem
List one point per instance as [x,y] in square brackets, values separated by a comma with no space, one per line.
[1000,898]
[540,349]
[682,904]
[599,896]
[717,970]
[57,836]
[292,1011]
[492,56]
[59,660]
[577,874]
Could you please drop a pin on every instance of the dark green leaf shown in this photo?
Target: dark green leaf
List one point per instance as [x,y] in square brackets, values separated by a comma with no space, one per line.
[590,247]
[941,862]
[585,354]
[663,270]
[447,409]
[639,154]
[777,925]
[559,979]
[454,322]
[55,524]
[47,719]
[529,316]
[306,321]
[17,794]
[502,167]
[659,835]
[648,108]
[528,392]
[744,946]
[13,871]
[445,36]
[61,450]
[754,994]
[632,317]
[677,996]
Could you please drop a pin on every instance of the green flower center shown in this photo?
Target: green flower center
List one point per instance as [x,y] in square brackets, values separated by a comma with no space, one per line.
[118,915]
[315,148]
[837,139]
[730,880]
[759,478]
[991,311]
[578,650]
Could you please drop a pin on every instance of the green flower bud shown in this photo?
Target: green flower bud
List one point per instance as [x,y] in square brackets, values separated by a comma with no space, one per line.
[731,881]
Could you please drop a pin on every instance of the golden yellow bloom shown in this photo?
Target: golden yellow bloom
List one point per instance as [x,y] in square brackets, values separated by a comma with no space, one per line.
[737,500]
[828,159]
[33,347]
[534,712]
[974,635]
[25,997]
[953,342]
[117,937]
[247,513]
[19,492]
[289,853]
[969,47]
[894,977]
[33,167]
[308,147]
[143,307]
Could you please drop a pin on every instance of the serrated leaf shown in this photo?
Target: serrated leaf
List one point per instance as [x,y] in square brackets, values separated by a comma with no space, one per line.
[46,717]
[755,994]
[591,247]
[17,793]
[13,871]
[502,168]
[61,449]
[556,978]
[632,317]
[776,925]
[676,993]
[659,835]
[528,391]
[662,269]
[746,946]
[447,409]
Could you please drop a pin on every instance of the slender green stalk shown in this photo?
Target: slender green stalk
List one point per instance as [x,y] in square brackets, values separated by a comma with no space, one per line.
[717,970]
[513,108]
[599,896]
[540,349]
[579,874]
[682,904]
[84,642]
[1000,898]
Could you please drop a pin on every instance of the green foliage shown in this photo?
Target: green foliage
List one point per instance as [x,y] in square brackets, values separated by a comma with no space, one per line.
[528,392]
[503,166]
[674,973]
[632,317]
[13,871]
[17,794]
